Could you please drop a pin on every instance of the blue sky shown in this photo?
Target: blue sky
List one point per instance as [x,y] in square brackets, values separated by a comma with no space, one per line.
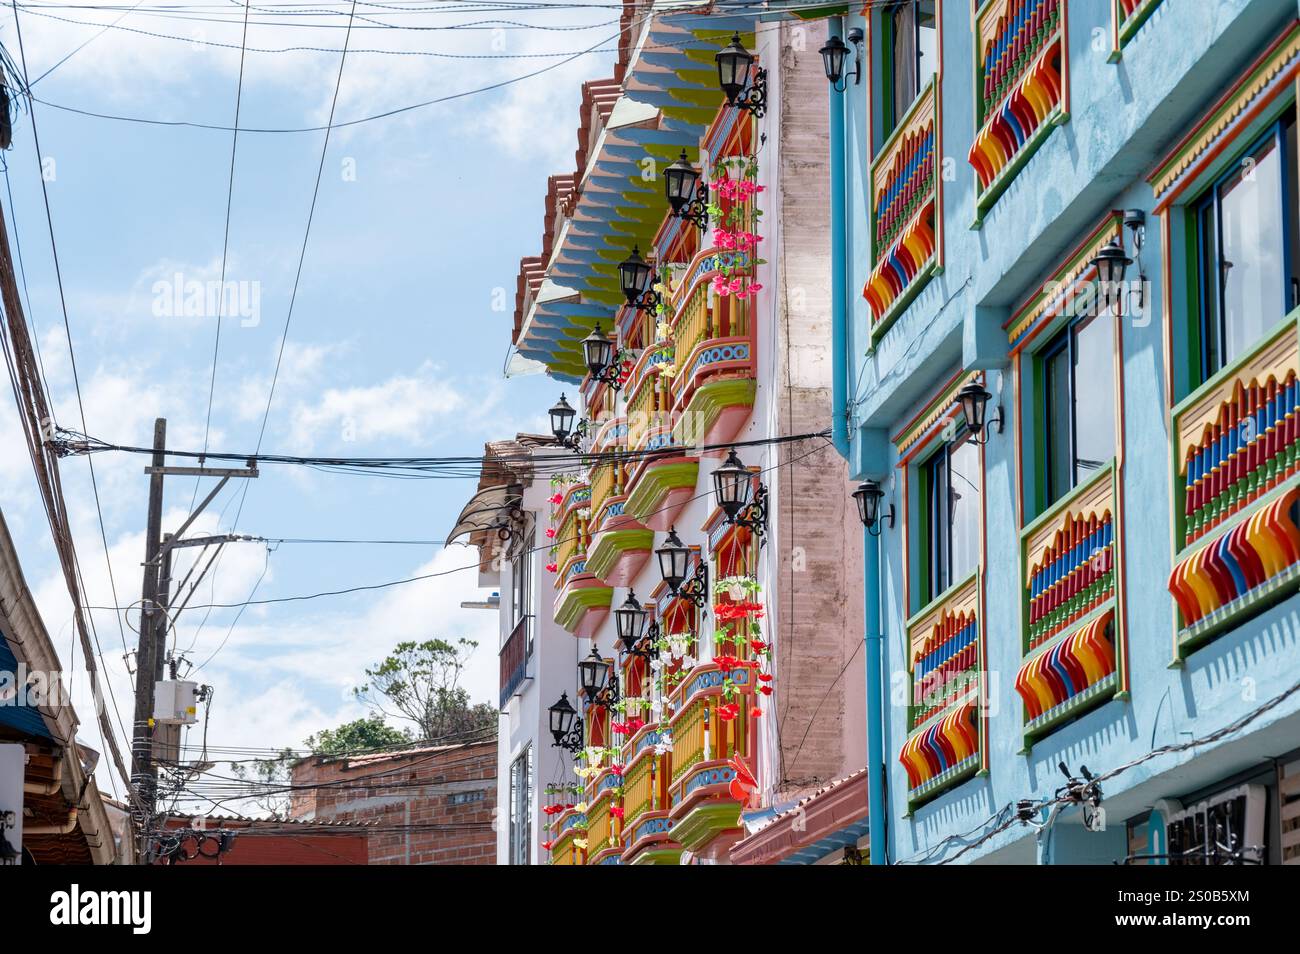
[396,344]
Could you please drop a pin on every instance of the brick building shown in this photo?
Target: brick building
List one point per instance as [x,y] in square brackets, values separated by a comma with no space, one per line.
[424,806]
[267,842]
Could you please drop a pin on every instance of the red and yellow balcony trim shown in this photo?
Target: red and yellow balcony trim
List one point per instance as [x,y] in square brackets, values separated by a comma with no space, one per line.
[942,751]
[906,211]
[1022,89]
[1236,476]
[1073,571]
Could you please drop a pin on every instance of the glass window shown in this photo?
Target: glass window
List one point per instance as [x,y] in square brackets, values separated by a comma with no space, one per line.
[1079,397]
[1247,249]
[521,588]
[912,45]
[521,807]
[953,509]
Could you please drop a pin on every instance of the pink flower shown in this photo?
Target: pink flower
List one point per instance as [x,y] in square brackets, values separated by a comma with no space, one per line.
[550,533]
[552,568]
[556,498]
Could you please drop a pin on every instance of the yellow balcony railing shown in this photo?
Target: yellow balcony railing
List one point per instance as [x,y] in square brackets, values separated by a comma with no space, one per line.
[638,790]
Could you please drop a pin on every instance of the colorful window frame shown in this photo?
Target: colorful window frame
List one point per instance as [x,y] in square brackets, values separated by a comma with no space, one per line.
[1235,497]
[947,715]
[1021,88]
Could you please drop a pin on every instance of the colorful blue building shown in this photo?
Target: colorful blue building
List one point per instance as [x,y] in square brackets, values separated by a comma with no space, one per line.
[1066,279]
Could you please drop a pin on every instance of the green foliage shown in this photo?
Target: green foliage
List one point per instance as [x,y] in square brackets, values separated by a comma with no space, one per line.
[419,683]
[363,735]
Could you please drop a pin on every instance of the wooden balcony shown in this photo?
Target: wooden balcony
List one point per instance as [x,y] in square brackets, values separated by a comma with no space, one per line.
[906,222]
[620,546]
[569,839]
[1073,640]
[516,652]
[1236,474]
[1021,75]
[705,741]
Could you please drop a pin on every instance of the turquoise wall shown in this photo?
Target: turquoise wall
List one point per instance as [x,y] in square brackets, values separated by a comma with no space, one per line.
[1124,116]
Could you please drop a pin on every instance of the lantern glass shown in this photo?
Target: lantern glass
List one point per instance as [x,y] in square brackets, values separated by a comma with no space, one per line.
[868,497]
[630,621]
[680,181]
[673,556]
[833,55]
[562,714]
[974,401]
[593,673]
[734,62]
[1111,263]
[634,275]
[732,485]
[598,351]
[562,419]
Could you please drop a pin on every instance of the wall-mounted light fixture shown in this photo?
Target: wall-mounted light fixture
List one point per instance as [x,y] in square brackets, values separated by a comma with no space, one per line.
[974,400]
[598,352]
[1111,263]
[562,415]
[744,86]
[566,727]
[735,494]
[636,276]
[834,54]
[688,196]
[868,495]
[674,559]
[633,626]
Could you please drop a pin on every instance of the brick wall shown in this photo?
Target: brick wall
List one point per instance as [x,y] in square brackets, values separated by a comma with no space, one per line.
[821,704]
[428,806]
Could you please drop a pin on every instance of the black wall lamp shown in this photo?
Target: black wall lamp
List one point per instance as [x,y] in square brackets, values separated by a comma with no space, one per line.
[974,400]
[593,678]
[636,276]
[868,496]
[688,196]
[835,52]
[735,494]
[1111,262]
[566,727]
[598,351]
[674,558]
[744,86]
[633,626]
[562,415]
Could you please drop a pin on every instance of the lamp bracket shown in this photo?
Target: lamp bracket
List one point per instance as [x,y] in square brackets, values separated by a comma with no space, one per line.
[696,211]
[753,98]
[753,516]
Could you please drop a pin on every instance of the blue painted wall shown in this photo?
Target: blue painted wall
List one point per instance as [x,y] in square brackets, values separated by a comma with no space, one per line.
[1124,117]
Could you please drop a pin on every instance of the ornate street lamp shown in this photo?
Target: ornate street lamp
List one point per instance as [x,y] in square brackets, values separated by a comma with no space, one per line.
[868,496]
[674,558]
[562,415]
[636,276]
[1111,261]
[733,489]
[974,399]
[598,351]
[835,52]
[688,196]
[744,87]
[593,674]
[630,621]
[566,727]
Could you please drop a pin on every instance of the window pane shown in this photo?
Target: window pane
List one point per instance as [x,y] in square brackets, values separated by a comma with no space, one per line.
[1208,238]
[1251,224]
[965,482]
[1291,186]
[1060,454]
[903,57]
[1094,395]
[939,523]
[927,43]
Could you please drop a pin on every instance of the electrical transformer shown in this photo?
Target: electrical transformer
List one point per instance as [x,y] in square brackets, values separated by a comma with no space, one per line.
[176,702]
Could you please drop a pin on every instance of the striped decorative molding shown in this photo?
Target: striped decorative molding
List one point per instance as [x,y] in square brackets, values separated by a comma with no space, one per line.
[1269,79]
[1236,478]
[1063,677]
[1236,436]
[942,751]
[934,416]
[944,657]
[1074,650]
[906,223]
[1129,15]
[1021,77]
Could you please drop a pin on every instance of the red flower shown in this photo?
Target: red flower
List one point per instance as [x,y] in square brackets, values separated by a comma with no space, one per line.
[728,711]
[556,498]
[726,663]
[756,712]
[758,645]
[765,690]
[616,812]
[547,845]
[620,728]
[552,568]
[617,770]
[764,677]
[634,725]
[550,533]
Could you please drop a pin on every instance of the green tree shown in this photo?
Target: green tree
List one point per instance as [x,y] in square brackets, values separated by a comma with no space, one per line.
[419,683]
[268,782]
[368,734]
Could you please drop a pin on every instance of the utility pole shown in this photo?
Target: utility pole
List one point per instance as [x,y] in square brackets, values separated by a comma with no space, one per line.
[156,620]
